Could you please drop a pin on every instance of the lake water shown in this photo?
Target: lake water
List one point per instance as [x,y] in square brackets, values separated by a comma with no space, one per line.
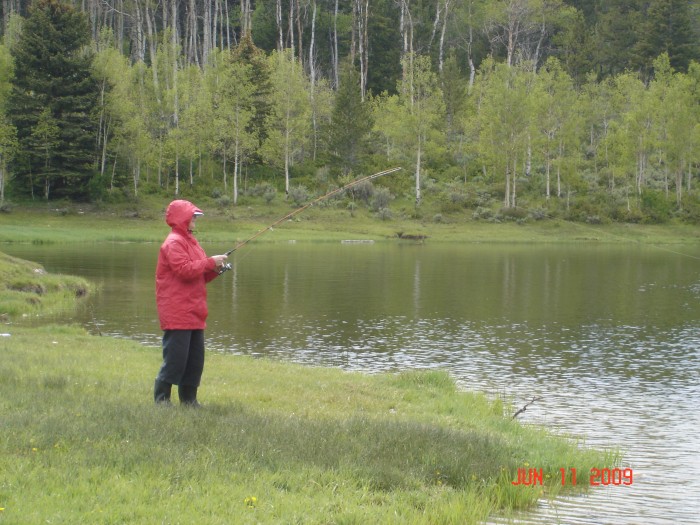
[607,335]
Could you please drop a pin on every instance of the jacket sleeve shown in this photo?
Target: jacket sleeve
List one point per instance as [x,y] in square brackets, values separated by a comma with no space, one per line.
[210,275]
[183,265]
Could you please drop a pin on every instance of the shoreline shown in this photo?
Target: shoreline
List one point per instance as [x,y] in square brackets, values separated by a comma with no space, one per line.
[24,225]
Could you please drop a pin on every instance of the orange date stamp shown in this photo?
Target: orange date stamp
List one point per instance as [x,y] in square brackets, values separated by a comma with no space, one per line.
[596,477]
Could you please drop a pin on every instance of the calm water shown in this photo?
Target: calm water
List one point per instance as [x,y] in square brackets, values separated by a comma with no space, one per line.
[608,335]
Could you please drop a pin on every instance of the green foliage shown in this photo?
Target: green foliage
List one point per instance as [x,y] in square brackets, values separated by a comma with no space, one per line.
[655,206]
[52,102]
[351,120]
[615,113]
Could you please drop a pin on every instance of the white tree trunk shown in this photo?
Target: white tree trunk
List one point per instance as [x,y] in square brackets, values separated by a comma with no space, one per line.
[418,160]
[336,67]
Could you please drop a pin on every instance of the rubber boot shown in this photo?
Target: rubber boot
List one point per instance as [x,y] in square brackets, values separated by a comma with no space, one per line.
[161,392]
[188,395]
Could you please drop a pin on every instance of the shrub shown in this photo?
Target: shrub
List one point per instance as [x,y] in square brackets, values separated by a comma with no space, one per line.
[384,214]
[299,194]
[538,214]
[655,206]
[482,214]
[362,191]
[270,194]
[381,199]
[224,201]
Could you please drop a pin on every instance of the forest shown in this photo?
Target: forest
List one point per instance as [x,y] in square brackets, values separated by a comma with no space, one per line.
[496,109]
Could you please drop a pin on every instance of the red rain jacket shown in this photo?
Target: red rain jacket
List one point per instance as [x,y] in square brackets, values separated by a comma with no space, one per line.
[182,273]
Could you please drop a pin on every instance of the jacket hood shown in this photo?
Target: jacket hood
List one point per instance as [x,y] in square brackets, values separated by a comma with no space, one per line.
[179,214]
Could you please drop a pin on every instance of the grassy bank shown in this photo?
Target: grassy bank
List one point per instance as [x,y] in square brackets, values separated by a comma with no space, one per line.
[27,289]
[144,222]
[277,443]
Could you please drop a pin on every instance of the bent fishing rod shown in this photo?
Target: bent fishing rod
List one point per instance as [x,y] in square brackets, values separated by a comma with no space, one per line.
[328,195]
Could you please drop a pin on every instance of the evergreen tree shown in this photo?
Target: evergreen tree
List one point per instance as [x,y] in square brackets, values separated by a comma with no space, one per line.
[668,29]
[616,36]
[8,140]
[248,54]
[351,120]
[53,87]
[384,49]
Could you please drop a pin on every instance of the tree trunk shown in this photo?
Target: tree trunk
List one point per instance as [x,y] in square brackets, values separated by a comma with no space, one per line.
[312,58]
[206,32]
[114,171]
[418,161]
[246,22]
[139,42]
[286,161]
[278,18]
[229,40]
[506,200]
[152,45]
[235,174]
[312,75]
[441,48]
[177,173]
[290,29]
[336,67]
[225,178]
[192,32]
[2,180]
[515,178]
[137,177]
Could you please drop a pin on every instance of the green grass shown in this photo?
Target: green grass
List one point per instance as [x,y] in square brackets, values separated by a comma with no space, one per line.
[26,289]
[143,222]
[82,442]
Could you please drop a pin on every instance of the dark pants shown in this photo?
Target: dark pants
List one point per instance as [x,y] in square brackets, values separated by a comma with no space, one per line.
[183,357]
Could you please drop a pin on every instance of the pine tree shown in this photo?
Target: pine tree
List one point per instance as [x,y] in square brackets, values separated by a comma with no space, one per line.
[248,54]
[668,29]
[53,83]
[351,119]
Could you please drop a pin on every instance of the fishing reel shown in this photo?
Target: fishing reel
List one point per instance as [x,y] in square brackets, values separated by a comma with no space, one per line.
[225,267]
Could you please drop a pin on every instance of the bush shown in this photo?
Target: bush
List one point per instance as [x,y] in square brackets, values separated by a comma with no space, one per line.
[538,214]
[513,214]
[384,214]
[299,194]
[224,201]
[689,212]
[655,206]
[362,191]
[381,199]
[270,194]
[482,214]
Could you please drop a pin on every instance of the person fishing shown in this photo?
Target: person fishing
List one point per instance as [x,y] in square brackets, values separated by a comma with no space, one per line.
[182,273]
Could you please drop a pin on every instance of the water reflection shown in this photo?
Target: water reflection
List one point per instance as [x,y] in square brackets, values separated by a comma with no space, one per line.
[607,335]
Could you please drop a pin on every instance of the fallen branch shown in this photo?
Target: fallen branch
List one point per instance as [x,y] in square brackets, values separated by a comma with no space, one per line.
[525,407]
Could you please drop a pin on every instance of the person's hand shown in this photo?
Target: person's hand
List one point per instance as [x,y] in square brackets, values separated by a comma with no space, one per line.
[219,260]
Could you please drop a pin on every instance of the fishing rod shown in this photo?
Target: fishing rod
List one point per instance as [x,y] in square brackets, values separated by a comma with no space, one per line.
[349,185]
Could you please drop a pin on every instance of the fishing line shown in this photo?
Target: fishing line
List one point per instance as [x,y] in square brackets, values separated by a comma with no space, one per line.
[306,207]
